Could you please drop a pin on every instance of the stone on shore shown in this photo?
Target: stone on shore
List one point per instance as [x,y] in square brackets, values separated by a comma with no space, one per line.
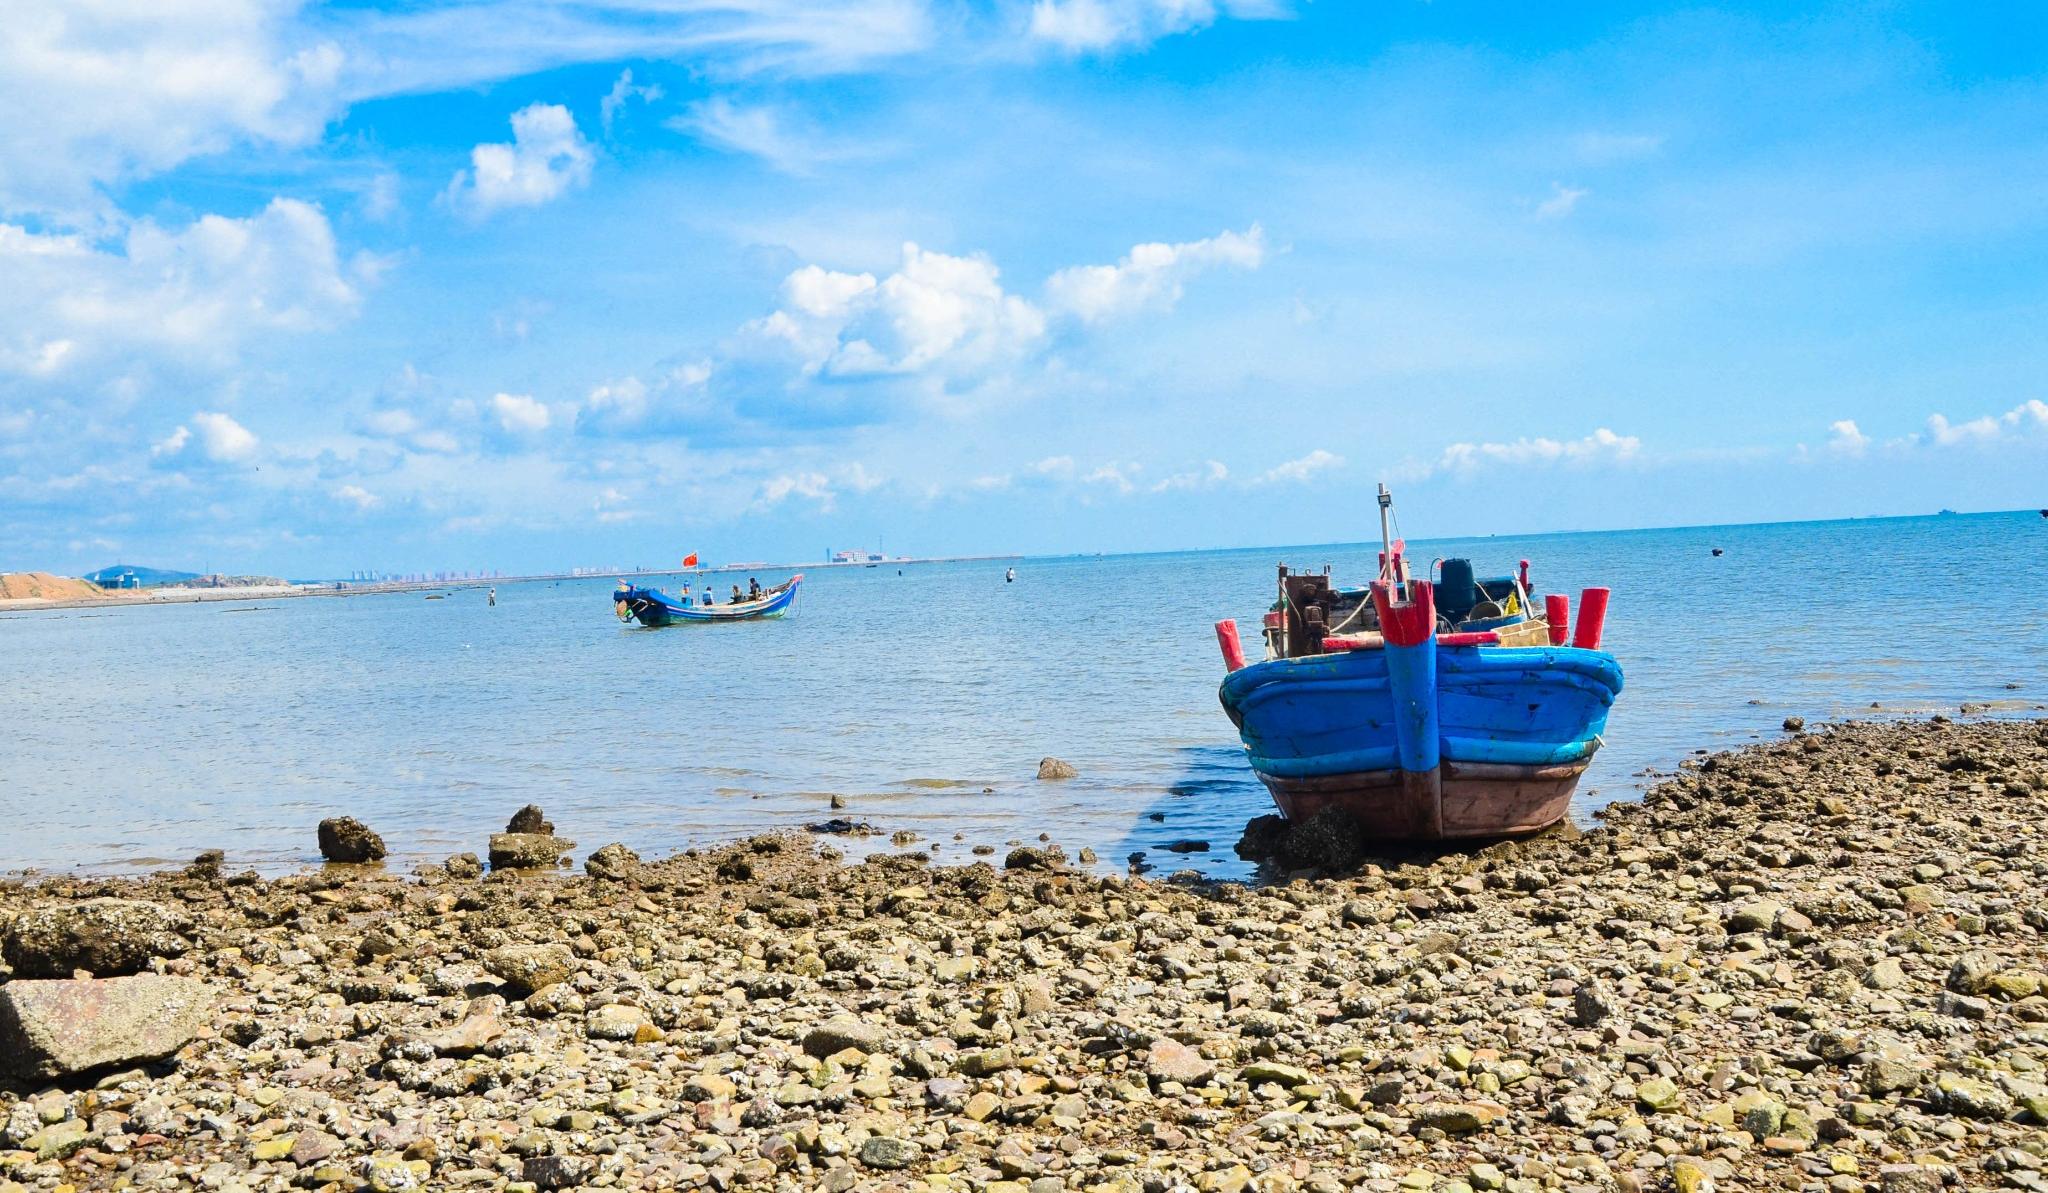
[346,839]
[55,1029]
[1170,1060]
[528,851]
[613,863]
[1057,768]
[106,937]
[530,967]
[530,821]
[837,1035]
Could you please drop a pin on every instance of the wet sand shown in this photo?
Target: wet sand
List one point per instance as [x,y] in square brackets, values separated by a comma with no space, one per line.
[1811,964]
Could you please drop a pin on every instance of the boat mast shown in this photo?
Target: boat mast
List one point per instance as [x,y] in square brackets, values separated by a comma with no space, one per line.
[1386,535]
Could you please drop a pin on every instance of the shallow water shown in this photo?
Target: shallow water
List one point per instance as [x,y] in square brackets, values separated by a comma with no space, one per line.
[132,737]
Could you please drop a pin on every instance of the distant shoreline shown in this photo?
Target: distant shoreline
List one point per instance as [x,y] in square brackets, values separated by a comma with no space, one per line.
[190,596]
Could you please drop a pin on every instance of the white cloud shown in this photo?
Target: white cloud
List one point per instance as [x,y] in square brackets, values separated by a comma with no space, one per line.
[1562,202]
[222,439]
[1150,276]
[1846,438]
[1602,446]
[1084,25]
[519,413]
[1302,469]
[173,443]
[937,313]
[762,131]
[94,92]
[546,157]
[1211,474]
[358,497]
[812,486]
[623,90]
[2031,414]
[200,290]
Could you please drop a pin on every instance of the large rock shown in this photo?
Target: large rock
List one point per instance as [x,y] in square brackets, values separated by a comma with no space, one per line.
[106,937]
[528,851]
[837,1035]
[346,839]
[532,821]
[530,967]
[52,1029]
[1056,768]
[613,863]
[1170,1060]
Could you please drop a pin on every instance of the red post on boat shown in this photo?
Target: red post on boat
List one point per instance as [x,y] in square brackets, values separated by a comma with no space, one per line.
[1557,610]
[1592,618]
[1525,575]
[1233,650]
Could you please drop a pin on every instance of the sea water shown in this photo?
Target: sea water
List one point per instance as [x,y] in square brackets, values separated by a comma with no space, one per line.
[922,695]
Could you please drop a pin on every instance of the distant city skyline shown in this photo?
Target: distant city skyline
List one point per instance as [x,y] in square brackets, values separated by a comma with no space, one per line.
[295,287]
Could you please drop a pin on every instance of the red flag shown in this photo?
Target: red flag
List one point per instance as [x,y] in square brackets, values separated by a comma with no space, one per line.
[690,560]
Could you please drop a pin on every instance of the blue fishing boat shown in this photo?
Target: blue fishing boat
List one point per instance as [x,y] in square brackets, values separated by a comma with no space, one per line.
[1424,710]
[653,607]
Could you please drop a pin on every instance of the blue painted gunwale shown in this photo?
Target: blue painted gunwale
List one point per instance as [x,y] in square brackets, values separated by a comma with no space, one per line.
[1334,714]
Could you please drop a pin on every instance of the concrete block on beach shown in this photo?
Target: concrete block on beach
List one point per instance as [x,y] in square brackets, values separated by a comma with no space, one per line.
[52,1029]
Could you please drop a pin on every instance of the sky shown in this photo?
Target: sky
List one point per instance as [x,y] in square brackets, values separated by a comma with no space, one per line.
[305,289]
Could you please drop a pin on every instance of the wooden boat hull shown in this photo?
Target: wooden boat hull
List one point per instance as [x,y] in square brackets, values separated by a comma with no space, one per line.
[652,607]
[1504,734]
[1475,800]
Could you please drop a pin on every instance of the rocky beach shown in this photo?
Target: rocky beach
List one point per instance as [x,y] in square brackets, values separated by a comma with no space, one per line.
[1812,964]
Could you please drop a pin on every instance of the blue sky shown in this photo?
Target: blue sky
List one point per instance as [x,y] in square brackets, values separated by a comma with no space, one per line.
[306,288]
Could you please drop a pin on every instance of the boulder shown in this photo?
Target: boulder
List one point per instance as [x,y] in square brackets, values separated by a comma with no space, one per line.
[1025,857]
[1329,841]
[1056,768]
[837,1035]
[346,839]
[52,1029]
[1170,1060]
[613,863]
[528,851]
[530,967]
[531,820]
[106,937]
[464,865]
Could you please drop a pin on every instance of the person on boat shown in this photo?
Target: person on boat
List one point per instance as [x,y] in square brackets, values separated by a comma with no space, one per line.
[737,599]
[707,596]
[753,588]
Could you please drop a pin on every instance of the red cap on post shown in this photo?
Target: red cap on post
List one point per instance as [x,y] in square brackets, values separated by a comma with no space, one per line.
[1233,650]
[1557,610]
[1592,618]
[1410,624]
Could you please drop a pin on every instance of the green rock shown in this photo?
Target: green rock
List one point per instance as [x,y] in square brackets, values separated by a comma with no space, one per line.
[275,1148]
[1758,1113]
[1689,1176]
[889,1152]
[1658,1094]
[1971,1098]
[59,1140]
